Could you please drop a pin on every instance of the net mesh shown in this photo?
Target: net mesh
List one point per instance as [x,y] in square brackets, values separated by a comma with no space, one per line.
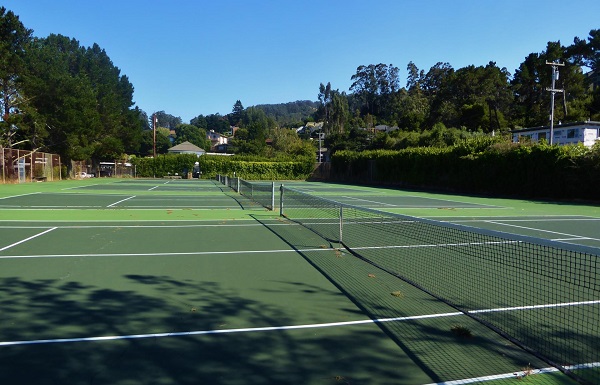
[262,193]
[543,296]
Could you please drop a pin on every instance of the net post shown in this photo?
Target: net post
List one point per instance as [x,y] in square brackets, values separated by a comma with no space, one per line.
[341,223]
[272,195]
[238,185]
[281,200]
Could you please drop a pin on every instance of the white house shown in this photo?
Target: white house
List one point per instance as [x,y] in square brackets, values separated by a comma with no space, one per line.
[580,132]
[216,138]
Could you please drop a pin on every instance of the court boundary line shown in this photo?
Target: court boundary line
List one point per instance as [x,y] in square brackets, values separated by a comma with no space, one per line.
[400,206]
[154,208]
[543,231]
[517,375]
[129,220]
[163,254]
[143,226]
[279,328]
[20,195]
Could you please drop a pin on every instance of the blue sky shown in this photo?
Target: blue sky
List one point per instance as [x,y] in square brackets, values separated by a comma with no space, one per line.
[192,57]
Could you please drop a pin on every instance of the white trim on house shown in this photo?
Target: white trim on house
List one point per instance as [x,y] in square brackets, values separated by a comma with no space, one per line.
[570,133]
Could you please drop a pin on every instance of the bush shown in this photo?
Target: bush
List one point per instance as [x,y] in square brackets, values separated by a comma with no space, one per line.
[480,165]
[247,167]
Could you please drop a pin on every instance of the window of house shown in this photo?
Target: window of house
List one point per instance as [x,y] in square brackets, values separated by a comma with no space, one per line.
[571,133]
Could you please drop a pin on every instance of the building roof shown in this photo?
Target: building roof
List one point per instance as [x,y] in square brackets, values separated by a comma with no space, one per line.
[185,147]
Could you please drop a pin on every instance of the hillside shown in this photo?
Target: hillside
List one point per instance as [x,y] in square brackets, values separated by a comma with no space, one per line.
[292,113]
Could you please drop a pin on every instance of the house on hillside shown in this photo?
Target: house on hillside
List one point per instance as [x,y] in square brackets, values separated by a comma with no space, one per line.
[186,148]
[310,128]
[570,133]
[218,141]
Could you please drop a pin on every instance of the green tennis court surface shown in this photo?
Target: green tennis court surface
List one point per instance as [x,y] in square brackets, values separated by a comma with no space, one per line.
[186,282]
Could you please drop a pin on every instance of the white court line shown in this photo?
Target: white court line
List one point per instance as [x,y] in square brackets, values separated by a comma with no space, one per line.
[20,195]
[369,201]
[144,226]
[157,186]
[184,206]
[544,231]
[47,207]
[517,375]
[164,254]
[148,208]
[122,200]
[434,245]
[225,331]
[453,201]
[533,307]
[27,239]
[76,187]
[274,328]
[127,220]
[525,218]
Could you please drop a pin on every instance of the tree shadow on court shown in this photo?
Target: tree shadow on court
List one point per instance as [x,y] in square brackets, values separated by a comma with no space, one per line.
[446,348]
[54,309]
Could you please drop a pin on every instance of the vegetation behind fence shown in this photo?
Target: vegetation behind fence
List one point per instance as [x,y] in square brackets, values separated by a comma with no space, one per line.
[496,167]
[254,168]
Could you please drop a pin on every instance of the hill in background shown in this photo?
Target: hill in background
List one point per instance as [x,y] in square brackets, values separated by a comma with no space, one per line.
[290,114]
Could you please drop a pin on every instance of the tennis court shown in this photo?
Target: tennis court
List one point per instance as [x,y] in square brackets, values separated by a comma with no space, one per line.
[187,282]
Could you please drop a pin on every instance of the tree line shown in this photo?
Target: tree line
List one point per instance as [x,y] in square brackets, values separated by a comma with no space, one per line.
[474,98]
[59,96]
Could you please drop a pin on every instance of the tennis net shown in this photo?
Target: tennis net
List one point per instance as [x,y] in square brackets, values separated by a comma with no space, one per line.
[543,296]
[262,193]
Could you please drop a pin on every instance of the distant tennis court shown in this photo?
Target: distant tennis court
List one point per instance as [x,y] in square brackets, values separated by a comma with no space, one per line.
[114,281]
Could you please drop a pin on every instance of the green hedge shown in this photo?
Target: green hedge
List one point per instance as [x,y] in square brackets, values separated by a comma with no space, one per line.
[251,168]
[164,165]
[495,167]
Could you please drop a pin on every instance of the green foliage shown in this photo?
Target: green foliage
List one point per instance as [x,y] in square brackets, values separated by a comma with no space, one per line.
[192,134]
[81,97]
[14,40]
[247,167]
[288,142]
[256,168]
[163,165]
[291,114]
[167,120]
[491,165]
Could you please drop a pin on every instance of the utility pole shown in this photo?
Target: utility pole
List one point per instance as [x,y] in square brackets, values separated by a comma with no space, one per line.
[321,137]
[154,121]
[553,91]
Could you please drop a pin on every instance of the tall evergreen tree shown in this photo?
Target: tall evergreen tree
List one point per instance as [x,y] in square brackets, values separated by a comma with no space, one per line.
[235,118]
[14,39]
